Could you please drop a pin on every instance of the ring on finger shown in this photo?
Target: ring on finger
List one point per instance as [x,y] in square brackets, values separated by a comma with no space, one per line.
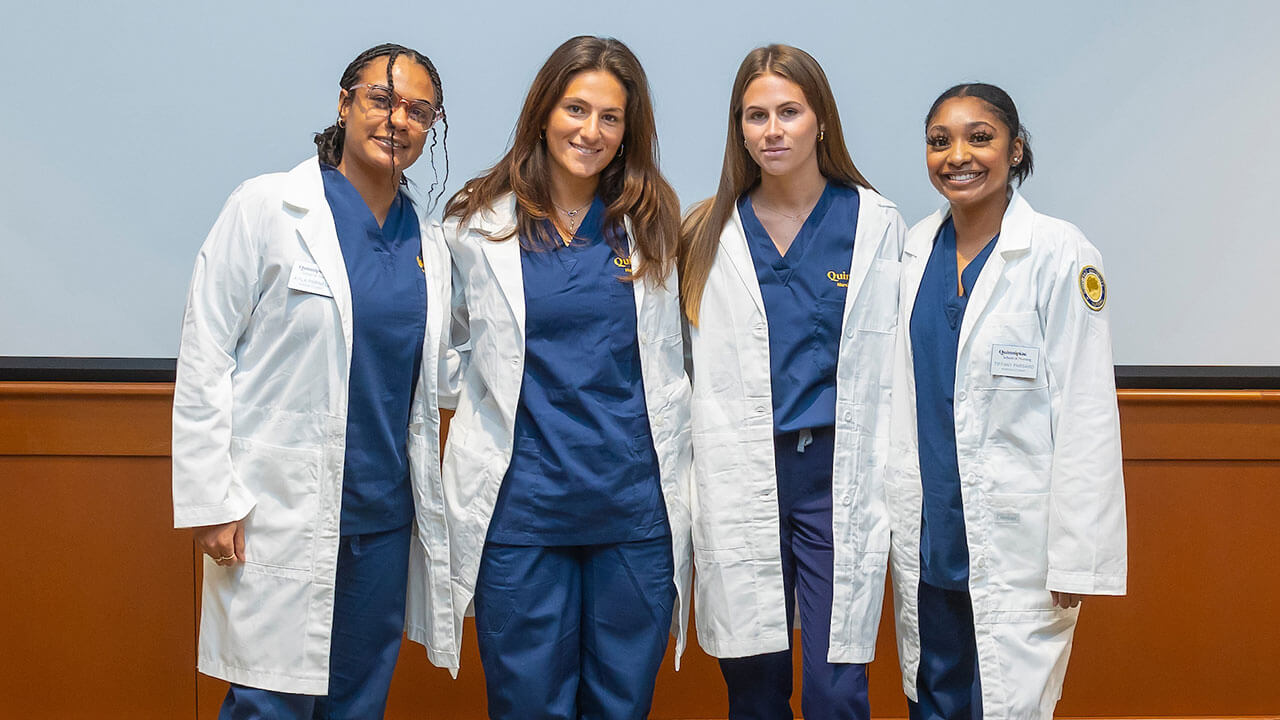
[224,559]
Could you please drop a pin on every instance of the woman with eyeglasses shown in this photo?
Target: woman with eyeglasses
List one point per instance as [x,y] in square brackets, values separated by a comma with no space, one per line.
[566,470]
[305,421]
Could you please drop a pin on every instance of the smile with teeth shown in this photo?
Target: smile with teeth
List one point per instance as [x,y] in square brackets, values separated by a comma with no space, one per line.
[583,149]
[389,143]
[962,177]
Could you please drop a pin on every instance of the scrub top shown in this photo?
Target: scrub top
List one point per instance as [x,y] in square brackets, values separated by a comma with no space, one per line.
[935,342]
[804,293]
[583,471]
[389,320]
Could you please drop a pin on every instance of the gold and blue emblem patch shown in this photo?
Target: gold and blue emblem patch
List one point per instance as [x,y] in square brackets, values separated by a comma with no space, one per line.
[1093,288]
[420,265]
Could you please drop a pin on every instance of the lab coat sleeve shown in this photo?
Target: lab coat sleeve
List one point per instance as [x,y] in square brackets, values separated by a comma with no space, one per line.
[1087,534]
[224,289]
[458,354]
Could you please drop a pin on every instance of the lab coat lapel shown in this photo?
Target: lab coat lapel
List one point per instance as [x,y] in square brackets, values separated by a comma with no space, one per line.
[503,256]
[637,287]
[864,246]
[1015,239]
[305,196]
[733,242]
[915,256]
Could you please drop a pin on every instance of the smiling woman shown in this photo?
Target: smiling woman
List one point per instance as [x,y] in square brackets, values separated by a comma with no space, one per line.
[318,297]
[567,464]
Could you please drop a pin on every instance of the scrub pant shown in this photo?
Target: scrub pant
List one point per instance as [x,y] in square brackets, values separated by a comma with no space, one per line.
[573,632]
[368,622]
[760,685]
[947,684]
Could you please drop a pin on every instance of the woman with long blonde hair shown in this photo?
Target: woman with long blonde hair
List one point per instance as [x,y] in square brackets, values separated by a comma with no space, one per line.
[789,279]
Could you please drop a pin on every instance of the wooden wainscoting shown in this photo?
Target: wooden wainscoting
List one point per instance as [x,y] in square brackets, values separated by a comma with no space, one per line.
[99,593]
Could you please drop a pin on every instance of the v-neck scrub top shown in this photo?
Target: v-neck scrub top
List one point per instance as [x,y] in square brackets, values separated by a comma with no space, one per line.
[935,342]
[389,318]
[804,294]
[583,470]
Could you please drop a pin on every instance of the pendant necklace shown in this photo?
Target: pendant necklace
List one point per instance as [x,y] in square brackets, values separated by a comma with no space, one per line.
[573,216]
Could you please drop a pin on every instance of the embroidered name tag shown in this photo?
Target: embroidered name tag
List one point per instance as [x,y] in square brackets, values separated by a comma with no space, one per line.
[306,277]
[1015,361]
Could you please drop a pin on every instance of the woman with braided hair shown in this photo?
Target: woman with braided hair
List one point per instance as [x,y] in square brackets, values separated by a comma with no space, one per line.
[306,421]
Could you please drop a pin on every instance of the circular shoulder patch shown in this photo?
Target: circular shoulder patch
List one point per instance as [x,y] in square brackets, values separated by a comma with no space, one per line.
[1093,288]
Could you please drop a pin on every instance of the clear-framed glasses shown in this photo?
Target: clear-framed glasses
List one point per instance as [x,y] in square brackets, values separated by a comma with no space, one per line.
[379,101]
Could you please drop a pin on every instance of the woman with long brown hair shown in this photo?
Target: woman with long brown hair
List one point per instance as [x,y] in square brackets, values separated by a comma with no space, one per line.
[566,469]
[789,278]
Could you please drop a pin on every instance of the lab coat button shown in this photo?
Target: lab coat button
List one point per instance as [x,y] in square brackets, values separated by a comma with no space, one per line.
[845,500]
[962,395]
[759,408]
[515,361]
[848,416]
[848,332]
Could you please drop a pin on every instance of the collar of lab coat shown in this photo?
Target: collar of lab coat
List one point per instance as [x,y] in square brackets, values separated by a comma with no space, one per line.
[305,201]
[504,256]
[733,243]
[1014,240]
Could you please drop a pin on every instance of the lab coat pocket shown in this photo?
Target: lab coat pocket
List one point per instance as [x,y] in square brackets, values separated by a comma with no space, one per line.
[1014,393]
[1017,558]
[280,531]
[876,309]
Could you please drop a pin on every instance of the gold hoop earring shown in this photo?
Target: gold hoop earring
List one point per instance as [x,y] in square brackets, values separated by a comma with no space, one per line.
[621,147]
[821,134]
[342,123]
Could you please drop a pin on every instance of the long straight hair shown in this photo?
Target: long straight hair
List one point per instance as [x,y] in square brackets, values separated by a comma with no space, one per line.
[700,232]
[631,185]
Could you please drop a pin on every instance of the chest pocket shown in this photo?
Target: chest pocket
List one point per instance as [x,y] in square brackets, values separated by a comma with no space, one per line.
[877,303]
[1000,333]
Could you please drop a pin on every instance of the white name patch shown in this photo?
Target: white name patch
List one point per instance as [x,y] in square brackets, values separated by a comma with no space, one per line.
[306,277]
[1015,361]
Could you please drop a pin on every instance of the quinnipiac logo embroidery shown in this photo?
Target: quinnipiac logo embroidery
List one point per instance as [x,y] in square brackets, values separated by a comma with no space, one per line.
[624,263]
[1093,288]
[841,279]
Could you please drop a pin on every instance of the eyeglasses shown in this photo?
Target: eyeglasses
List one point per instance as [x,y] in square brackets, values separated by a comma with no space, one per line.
[380,101]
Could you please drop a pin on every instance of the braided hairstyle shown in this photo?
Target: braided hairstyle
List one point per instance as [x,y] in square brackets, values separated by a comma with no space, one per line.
[329,142]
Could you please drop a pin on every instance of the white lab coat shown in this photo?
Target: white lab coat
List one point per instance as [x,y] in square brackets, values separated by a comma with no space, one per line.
[741,608]
[259,428]
[490,334]
[1040,464]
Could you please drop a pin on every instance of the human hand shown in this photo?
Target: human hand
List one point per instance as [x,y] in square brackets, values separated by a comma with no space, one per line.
[1065,600]
[224,543]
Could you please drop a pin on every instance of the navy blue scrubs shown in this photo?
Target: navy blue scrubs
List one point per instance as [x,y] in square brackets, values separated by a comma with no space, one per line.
[804,295]
[948,681]
[574,595]
[389,307]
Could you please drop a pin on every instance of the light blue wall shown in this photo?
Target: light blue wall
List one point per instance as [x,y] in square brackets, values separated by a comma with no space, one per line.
[125,125]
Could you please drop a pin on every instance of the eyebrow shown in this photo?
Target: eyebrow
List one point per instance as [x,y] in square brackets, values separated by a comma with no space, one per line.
[782,104]
[970,126]
[580,101]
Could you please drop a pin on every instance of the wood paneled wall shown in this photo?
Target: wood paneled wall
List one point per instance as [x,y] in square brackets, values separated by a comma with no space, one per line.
[98,596]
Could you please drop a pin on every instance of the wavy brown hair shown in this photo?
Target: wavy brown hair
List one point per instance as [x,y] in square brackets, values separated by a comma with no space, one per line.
[700,232]
[631,185]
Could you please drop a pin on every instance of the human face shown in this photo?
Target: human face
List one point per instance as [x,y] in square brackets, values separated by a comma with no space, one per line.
[374,139]
[779,127]
[970,152]
[586,127]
